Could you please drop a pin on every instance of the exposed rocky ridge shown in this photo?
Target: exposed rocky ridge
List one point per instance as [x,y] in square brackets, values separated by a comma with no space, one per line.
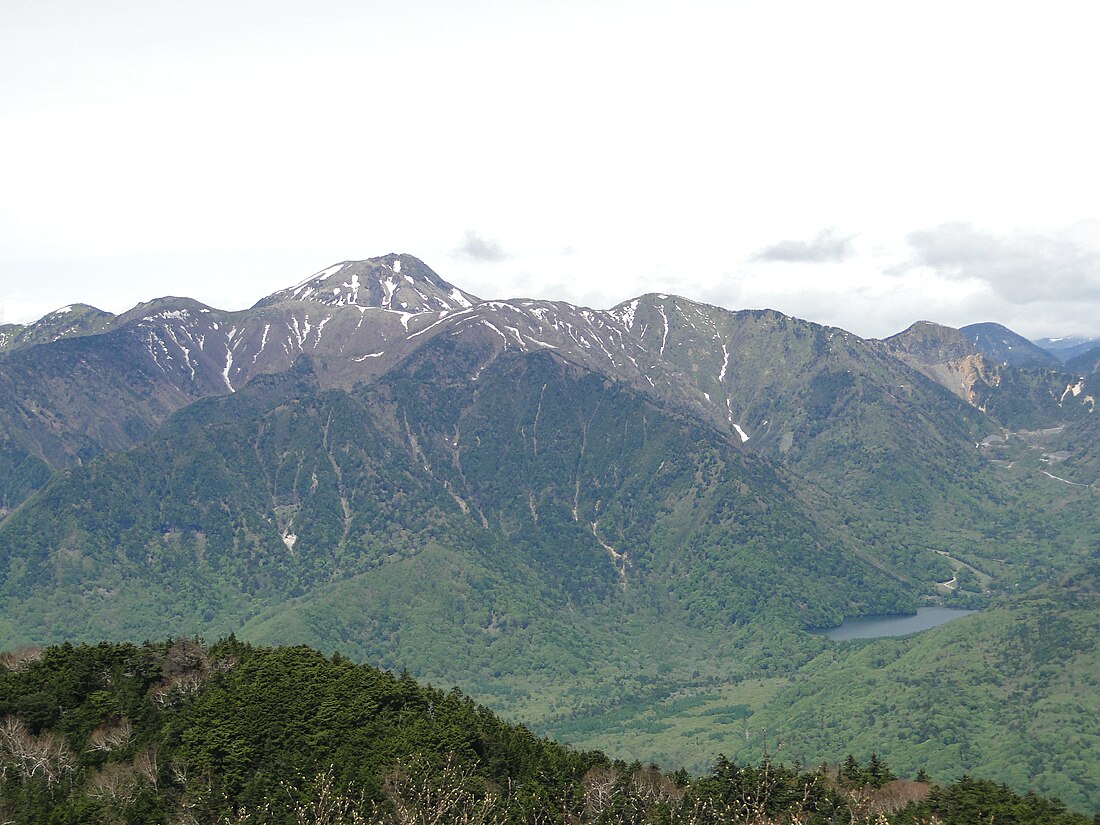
[758,376]
[1014,396]
[948,357]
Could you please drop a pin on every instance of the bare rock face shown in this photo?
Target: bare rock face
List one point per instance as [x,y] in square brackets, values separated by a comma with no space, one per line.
[948,357]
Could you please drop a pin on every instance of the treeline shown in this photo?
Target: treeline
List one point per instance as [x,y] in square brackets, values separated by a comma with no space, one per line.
[179,732]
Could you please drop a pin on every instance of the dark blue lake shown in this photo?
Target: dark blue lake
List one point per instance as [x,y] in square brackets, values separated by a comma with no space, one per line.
[871,627]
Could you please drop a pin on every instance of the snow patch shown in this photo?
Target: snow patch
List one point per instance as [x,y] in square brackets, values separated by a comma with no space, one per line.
[390,285]
[460,299]
[664,338]
[397,266]
[497,331]
[437,323]
[172,315]
[300,332]
[263,342]
[725,364]
[626,316]
[744,435]
[228,366]
[519,337]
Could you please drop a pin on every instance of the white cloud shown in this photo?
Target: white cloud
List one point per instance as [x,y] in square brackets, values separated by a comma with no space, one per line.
[828,245]
[21,311]
[1022,267]
[677,142]
[477,248]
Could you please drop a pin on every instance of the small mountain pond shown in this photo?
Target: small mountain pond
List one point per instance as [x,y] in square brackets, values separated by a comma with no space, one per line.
[871,627]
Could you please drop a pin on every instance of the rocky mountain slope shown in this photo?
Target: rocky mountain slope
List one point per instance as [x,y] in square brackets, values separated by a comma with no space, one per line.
[867,420]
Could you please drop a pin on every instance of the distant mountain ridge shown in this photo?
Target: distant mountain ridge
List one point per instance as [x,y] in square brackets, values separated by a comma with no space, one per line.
[1006,347]
[110,380]
[1068,347]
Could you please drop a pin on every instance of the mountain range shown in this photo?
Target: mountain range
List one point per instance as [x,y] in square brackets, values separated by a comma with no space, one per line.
[550,505]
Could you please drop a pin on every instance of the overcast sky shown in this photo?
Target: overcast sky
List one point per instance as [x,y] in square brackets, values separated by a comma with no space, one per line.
[858,164]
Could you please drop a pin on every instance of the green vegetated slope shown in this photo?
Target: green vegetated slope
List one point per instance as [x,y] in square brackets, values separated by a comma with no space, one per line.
[69,400]
[896,451]
[539,521]
[180,733]
[1076,453]
[1011,692]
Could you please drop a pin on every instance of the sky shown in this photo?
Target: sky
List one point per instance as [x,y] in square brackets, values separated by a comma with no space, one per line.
[859,164]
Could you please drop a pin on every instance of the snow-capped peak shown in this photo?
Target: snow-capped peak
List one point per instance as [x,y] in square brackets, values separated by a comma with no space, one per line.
[400,283]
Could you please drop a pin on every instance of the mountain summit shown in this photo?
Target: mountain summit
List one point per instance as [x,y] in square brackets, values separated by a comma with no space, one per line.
[400,283]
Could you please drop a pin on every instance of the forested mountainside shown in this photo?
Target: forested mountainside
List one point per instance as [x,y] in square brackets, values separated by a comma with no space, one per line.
[1012,692]
[545,519]
[565,511]
[178,732]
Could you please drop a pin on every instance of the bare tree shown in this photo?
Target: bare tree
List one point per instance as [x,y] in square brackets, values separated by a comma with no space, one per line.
[44,755]
[172,690]
[108,737]
[652,786]
[599,788]
[117,781]
[19,660]
[421,796]
[145,763]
